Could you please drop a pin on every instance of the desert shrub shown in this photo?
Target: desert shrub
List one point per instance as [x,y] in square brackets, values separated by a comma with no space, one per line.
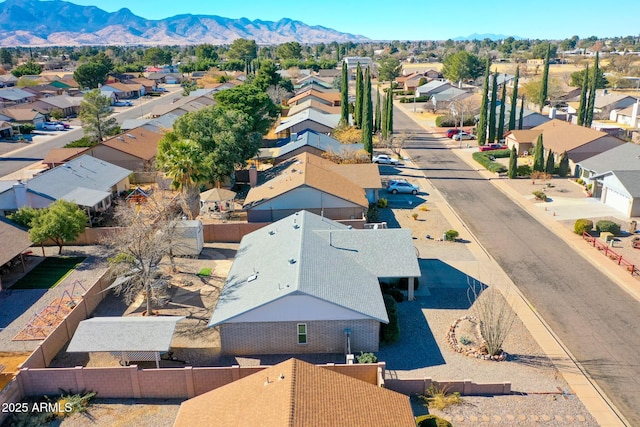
[580,181]
[373,214]
[608,226]
[432,421]
[440,399]
[414,216]
[205,272]
[451,235]
[449,122]
[540,195]
[523,170]
[367,358]
[383,203]
[82,142]
[24,128]
[424,98]
[581,225]
[396,294]
[390,332]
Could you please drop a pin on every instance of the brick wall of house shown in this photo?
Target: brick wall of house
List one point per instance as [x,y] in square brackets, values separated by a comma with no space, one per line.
[281,337]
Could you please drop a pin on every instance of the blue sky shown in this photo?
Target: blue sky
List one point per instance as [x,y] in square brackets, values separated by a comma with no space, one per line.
[421,20]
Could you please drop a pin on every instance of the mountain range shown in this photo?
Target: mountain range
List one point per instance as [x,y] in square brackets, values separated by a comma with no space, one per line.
[490,36]
[62,23]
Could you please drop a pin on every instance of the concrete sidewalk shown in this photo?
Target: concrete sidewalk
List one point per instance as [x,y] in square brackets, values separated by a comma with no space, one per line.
[585,388]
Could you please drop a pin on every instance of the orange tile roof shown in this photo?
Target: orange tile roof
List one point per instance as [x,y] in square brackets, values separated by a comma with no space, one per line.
[560,136]
[333,97]
[297,394]
[308,170]
[524,135]
[143,145]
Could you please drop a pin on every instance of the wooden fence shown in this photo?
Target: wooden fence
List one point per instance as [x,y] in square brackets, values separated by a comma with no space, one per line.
[610,253]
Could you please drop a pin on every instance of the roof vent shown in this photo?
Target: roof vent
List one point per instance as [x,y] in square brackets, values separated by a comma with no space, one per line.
[252,277]
[121,138]
[296,226]
[131,136]
[292,261]
[272,232]
[271,187]
[281,377]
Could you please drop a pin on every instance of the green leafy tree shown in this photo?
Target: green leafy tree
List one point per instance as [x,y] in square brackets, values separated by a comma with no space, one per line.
[538,155]
[492,108]
[378,113]
[95,110]
[243,49]
[104,60]
[588,118]
[545,79]
[513,163]
[482,124]
[550,167]
[344,96]
[157,56]
[514,100]
[462,66]
[388,69]
[24,216]
[207,51]
[289,50]
[582,108]
[250,100]
[267,75]
[563,168]
[6,57]
[578,78]
[367,115]
[29,68]
[541,50]
[185,163]
[61,222]
[521,117]
[357,114]
[91,75]
[503,101]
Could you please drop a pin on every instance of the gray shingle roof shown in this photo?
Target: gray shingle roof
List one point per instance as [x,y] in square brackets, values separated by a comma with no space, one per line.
[106,334]
[624,157]
[84,172]
[329,120]
[630,180]
[15,94]
[310,255]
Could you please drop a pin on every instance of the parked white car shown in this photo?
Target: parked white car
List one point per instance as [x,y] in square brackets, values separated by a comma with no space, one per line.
[384,160]
[52,126]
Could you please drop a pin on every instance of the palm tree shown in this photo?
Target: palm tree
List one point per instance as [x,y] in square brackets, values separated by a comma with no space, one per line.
[183,161]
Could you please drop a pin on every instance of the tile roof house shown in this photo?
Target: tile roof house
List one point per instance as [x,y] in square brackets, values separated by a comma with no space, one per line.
[68,105]
[312,183]
[125,91]
[135,149]
[23,115]
[182,105]
[523,140]
[612,101]
[312,79]
[308,142]
[309,119]
[19,239]
[59,156]
[628,116]
[13,95]
[579,142]
[307,284]
[297,394]
[318,106]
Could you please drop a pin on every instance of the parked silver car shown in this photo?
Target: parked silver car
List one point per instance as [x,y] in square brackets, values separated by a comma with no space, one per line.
[52,126]
[396,186]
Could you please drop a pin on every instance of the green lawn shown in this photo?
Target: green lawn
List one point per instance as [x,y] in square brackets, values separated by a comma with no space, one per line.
[48,273]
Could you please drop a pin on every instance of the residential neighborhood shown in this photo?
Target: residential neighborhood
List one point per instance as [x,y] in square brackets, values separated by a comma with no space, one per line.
[227,234]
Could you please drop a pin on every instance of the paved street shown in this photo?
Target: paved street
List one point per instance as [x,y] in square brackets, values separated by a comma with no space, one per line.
[590,313]
[36,151]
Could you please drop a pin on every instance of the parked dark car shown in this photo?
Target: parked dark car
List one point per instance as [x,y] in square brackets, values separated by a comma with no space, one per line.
[491,147]
[452,132]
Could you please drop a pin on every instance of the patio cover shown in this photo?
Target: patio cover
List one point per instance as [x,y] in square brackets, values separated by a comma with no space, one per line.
[217,195]
[124,334]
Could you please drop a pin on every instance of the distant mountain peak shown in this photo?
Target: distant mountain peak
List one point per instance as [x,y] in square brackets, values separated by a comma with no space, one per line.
[490,36]
[60,22]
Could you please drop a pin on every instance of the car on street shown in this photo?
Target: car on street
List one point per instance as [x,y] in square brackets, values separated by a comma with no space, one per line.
[491,147]
[396,186]
[463,135]
[384,159]
[452,132]
[123,104]
[52,126]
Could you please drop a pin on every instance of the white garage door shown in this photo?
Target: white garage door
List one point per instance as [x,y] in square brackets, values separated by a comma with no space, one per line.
[617,200]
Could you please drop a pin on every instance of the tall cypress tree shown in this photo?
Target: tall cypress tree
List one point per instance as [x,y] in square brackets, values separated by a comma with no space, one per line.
[550,167]
[538,155]
[378,114]
[563,168]
[482,123]
[545,79]
[582,109]
[492,108]
[588,118]
[390,114]
[513,163]
[344,96]
[367,115]
[503,101]
[385,110]
[521,118]
[514,101]
[357,114]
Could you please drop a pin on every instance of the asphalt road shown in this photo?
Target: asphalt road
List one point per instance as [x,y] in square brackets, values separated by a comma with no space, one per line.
[36,151]
[592,315]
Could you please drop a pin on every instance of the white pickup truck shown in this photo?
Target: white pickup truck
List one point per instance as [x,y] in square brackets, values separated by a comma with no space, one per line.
[384,159]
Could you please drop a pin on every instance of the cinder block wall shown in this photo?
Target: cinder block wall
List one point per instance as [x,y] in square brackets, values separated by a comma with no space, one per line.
[282,337]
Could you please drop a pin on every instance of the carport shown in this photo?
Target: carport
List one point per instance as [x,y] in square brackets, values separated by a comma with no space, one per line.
[131,338]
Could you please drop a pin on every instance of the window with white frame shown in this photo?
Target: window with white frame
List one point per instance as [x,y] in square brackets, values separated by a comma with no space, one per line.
[302,333]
